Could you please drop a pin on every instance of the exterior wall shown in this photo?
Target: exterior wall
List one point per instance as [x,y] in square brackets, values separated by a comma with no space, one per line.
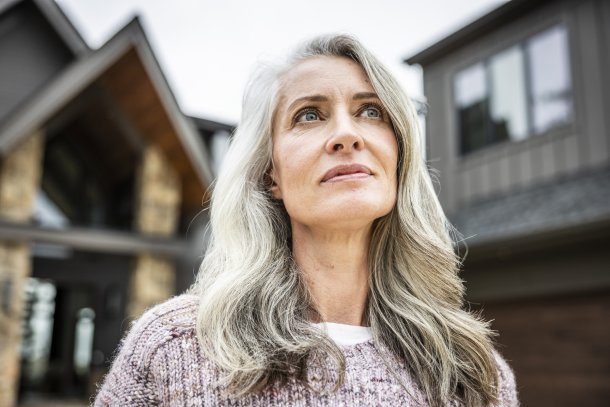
[31,53]
[576,265]
[500,168]
[560,351]
[157,213]
[547,293]
[603,18]
[19,181]
[551,307]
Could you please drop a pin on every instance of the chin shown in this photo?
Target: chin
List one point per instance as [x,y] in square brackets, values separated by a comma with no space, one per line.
[355,212]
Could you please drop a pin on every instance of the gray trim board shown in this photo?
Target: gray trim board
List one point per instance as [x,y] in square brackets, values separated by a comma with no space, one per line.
[60,22]
[106,241]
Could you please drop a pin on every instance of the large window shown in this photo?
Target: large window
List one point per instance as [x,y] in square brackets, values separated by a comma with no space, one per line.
[522,91]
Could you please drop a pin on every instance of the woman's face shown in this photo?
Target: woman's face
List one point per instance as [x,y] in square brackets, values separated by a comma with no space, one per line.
[334,149]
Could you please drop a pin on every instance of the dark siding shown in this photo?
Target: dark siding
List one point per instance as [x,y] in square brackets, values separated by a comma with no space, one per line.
[558,348]
[590,52]
[604,16]
[31,53]
[551,307]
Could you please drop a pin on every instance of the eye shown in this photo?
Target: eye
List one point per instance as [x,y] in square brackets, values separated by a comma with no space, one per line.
[307,116]
[372,112]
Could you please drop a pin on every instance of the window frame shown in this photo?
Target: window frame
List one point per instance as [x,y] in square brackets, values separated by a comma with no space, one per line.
[528,83]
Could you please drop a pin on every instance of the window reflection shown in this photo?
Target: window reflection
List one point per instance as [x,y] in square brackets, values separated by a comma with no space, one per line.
[83,340]
[38,328]
[471,99]
[508,100]
[550,75]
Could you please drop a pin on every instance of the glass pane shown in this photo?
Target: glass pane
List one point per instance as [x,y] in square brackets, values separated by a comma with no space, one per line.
[508,97]
[221,140]
[37,330]
[549,71]
[471,98]
[83,340]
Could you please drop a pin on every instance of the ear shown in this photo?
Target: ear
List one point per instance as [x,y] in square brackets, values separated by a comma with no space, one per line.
[275,188]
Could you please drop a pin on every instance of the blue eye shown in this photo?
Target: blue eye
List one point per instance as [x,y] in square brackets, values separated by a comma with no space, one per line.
[372,112]
[308,116]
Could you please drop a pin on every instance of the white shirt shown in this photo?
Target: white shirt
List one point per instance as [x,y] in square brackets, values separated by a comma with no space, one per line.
[346,335]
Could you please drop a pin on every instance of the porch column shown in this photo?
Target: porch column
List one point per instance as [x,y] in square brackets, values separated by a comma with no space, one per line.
[20,173]
[157,214]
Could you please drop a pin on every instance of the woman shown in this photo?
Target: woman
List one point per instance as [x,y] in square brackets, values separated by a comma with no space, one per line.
[331,278]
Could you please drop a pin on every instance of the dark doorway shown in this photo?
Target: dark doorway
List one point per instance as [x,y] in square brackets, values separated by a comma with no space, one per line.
[73,322]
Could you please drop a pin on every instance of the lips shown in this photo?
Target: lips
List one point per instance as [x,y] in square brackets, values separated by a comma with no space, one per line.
[346,172]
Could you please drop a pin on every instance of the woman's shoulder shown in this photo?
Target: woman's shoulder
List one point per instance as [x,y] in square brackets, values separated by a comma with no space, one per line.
[177,311]
[171,319]
[507,387]
[163,322]
[130,380]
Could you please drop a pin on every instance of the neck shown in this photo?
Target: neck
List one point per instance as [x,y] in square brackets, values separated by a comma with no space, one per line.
[335,267]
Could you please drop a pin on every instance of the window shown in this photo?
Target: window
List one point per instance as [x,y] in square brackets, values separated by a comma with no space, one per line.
[514,94]
[472,99]
[508,109]
[549,71]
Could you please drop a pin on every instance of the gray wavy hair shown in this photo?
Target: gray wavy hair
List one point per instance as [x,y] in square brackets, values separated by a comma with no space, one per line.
[253,319]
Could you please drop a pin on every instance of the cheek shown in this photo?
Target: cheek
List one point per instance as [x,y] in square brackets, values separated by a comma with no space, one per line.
[295,160]
[290,167]
[284,169]
[390,153]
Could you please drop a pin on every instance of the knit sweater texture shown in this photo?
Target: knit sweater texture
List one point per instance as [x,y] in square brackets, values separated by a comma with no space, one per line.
[160,363]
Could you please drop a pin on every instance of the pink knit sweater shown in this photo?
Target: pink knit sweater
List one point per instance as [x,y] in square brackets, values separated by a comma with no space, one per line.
[160,363]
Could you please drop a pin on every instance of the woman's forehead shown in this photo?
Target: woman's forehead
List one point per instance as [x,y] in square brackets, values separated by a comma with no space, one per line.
[322,73]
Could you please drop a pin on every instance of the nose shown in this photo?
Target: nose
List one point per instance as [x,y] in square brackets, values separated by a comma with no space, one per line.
[344,135]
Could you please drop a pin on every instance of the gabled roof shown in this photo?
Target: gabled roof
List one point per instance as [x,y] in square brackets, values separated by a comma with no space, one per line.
[58,20]
[491,21]
[127,48]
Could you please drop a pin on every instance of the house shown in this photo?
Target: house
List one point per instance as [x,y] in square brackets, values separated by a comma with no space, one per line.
[102,183]
[518,127]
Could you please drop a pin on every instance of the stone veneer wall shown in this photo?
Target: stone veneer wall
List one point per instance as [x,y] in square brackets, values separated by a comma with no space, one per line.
[157,214]
[20,173]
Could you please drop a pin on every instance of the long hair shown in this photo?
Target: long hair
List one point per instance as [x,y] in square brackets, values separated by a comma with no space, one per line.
[253,319]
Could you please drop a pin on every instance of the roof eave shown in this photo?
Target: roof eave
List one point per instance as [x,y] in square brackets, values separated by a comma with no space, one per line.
[480,248]
[185,128]
[481,26]
[212,125]
[81,73]
[63,26]
[72,80]
[58,20]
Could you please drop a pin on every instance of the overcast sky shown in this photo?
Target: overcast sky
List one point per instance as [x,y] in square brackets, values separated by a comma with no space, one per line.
[208,48]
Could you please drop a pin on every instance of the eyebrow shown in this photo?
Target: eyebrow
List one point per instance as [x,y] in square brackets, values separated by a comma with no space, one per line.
[322,98]
[365,95]
[312,98]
